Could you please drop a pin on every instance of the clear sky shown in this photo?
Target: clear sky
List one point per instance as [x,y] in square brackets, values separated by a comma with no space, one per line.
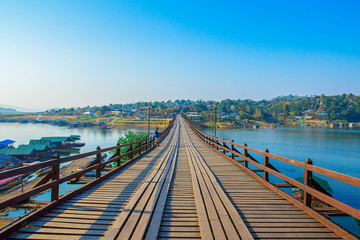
[86,52]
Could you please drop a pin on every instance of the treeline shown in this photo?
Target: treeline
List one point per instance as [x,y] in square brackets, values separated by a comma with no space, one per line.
[156,108]
[344,107]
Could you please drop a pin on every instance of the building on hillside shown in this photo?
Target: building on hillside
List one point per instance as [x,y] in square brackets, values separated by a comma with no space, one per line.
[193,115]
[143,111]
[90,113]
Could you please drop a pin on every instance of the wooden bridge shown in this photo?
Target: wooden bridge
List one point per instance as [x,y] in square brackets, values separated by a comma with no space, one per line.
[192,186]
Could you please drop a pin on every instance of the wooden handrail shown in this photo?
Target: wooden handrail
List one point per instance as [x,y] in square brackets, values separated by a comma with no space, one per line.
[53,179]
[323,171]
[309,191]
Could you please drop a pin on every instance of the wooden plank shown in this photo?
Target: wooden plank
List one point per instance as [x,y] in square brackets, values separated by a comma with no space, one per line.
[51,236]
[211,197]
[160,206]
[226,210]
[68,225]
[205,229]
[128,217]
[62,231]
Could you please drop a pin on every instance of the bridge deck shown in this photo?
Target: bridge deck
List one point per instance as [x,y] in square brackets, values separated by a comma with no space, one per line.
[182,189]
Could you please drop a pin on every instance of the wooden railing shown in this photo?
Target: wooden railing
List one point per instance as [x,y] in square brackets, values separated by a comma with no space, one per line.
[229,150]
[53,179]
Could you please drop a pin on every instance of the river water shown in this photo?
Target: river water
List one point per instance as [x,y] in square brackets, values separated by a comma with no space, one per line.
[334,149]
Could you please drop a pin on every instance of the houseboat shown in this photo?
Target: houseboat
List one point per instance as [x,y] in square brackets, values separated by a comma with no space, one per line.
[65,142]
[10,182]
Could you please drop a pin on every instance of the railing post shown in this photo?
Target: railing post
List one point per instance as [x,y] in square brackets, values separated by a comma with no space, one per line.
[118,162]
[131,150]
[307,182]
[224,151]
[140,148]
[55,176]
[98,161]
[266,164]
[232,149]
[246,155]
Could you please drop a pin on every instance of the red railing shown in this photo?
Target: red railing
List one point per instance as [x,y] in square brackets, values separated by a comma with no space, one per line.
[228,149]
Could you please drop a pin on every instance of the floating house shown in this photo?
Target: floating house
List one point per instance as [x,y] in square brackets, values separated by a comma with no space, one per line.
[43,150]
[352,125]
[41,142]
[6,143]
[65,142]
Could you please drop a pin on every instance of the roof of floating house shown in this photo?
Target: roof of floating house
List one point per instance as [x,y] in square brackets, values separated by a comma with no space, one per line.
[18,151]
[6,142]
[57,139]
[75,137]
[41,142]
[39,147]
[323,183]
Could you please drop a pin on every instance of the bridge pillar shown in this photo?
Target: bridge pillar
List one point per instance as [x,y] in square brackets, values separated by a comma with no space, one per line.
[98,161]
[55,176]
[266,164]
[118,153]
[307,182]
[232,149]
[224,145]
[246,155]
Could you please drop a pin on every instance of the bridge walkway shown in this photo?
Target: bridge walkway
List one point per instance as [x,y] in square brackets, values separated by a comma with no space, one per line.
[182,189]
[91,213]
[266,214]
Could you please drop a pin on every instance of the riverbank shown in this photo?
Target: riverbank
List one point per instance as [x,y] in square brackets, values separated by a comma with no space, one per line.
[84,121]
[250,124]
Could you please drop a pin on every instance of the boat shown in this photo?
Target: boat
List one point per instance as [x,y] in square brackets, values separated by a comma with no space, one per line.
[271,126]
[10,182]
[319,184]
[43,171]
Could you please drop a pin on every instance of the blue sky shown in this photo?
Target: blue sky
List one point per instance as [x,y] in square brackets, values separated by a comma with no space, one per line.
[85,52]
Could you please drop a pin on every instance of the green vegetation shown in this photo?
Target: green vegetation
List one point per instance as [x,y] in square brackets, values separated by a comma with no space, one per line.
[345,107]
[128,138]
[314,109]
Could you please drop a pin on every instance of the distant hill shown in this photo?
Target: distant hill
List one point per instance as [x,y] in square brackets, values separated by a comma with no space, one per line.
[11,108]
[8,110]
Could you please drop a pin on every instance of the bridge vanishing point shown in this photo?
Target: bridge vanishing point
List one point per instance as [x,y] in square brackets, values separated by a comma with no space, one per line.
[192,186]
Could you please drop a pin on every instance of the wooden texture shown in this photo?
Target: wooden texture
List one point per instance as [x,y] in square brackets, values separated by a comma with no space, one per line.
[97,206]
[181,189]
[262,210]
